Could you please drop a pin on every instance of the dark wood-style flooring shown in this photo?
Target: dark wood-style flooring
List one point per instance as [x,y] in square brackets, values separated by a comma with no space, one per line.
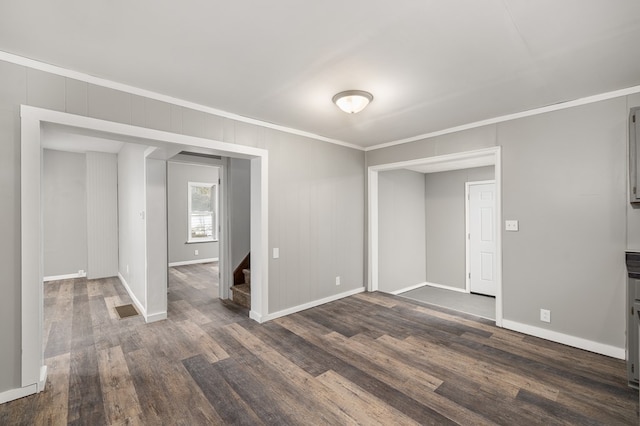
[367,359]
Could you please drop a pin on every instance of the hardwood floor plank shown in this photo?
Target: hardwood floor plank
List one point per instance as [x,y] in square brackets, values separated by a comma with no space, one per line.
[120,398]
[476,370]
[554,376]
[481,401]
[605,413]
[369,297]
[227,403]
[365,408]
[310,358]
[58,340]
[547,407]
[111,302]
[371,358]
[338,345]
[298,405]
[316,360]
[54,408]
[297,377]
[164,389]
[269,408]
[330,321]
[564,358]
[205,344]
[85,393]
[192,314]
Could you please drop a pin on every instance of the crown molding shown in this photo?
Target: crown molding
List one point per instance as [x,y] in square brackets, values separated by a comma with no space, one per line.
[87,78]
[536,111]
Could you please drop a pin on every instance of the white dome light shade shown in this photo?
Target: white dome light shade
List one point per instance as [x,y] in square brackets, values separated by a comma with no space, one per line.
[352,101]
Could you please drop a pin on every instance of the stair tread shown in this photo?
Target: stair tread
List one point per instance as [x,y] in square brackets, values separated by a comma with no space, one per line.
[242,288]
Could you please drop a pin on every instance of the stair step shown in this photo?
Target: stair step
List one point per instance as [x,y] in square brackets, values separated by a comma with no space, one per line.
[241,294]
[242,288]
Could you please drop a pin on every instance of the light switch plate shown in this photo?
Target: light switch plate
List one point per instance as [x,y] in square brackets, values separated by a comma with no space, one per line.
[276,252]
[510,225]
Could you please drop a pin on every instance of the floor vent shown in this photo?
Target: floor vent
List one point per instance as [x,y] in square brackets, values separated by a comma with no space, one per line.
[125,311]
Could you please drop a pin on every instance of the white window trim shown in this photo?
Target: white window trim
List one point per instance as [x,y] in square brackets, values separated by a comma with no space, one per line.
[215,219]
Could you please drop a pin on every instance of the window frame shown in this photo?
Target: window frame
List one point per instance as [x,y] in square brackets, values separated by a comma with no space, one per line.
[214,213]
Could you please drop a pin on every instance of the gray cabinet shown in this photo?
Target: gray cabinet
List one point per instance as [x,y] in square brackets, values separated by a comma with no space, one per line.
[634,155]
[633,316]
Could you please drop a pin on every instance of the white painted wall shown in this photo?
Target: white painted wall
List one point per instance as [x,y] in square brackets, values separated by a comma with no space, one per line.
[64,213]
[131,219]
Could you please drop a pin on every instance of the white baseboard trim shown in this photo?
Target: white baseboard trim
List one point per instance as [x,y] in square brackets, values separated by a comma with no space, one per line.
[159,316]
[43,378]
[402,290]
[135,300]
[256,317]
[63,277]
[304,306]
[566,339]
[18,393]
[193,262]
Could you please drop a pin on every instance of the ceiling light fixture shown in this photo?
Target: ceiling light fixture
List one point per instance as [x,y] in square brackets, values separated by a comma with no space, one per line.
[352,101]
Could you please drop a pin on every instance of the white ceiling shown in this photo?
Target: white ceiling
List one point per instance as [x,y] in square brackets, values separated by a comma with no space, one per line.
[430,64]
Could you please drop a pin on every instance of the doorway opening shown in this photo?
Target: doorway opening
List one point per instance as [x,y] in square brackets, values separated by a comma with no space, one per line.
[195,206]
[387,224]
[153,146]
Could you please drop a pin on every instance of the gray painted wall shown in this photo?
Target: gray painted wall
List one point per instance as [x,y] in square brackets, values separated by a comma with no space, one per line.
[102,215]
[401,230]
[156,222]
[239,210]
[565,180]
[316,218]
[132,224]
[179,176]
[316,193]
[64,213]
[445,224]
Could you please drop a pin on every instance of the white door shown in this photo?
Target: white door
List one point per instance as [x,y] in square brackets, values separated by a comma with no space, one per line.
[481,234]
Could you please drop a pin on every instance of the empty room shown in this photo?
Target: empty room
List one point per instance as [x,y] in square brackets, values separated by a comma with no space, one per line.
[287,212]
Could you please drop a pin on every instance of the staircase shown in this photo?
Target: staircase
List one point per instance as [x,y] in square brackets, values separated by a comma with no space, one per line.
[241,289]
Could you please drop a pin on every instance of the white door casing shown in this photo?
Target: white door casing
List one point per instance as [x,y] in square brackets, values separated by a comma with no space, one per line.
[454,161]
[481,237]
[33,370]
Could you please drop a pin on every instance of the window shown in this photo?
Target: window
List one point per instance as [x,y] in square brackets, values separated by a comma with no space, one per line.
[203,212]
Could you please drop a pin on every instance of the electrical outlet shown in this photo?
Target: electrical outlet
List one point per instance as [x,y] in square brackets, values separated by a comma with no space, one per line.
[338,280]
[81,273]
[545,315]
[511,225]
[196,252]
